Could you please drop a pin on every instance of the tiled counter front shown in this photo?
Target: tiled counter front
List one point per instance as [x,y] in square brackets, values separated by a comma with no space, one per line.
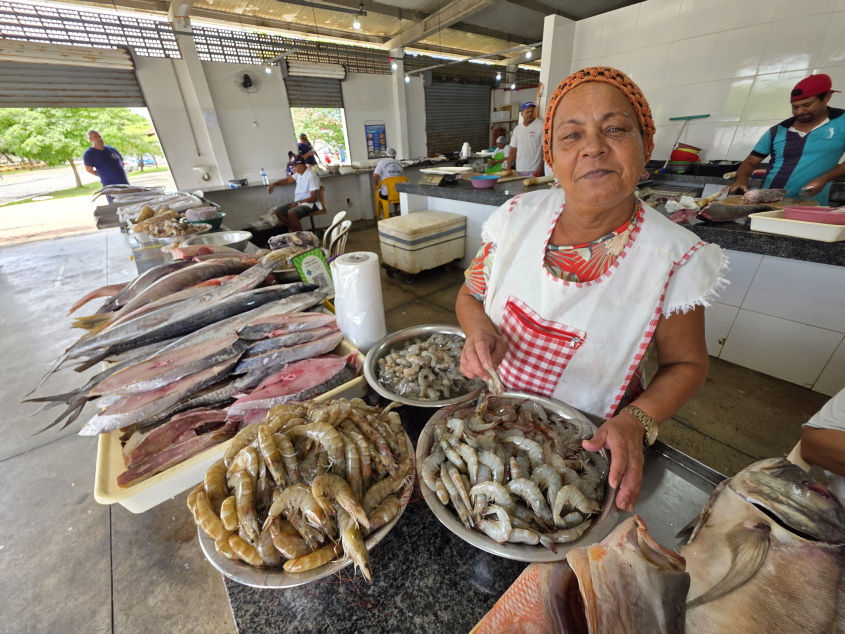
[784,318]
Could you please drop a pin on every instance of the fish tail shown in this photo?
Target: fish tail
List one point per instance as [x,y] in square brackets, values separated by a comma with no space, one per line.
[92,322]
[72,412]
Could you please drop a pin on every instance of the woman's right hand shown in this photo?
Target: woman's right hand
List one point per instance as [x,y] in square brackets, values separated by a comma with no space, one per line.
[483,350]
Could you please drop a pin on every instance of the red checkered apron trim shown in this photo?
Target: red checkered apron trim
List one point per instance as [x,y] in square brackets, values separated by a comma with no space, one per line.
[612,267]
[538,350]
[513,202]
[649,333]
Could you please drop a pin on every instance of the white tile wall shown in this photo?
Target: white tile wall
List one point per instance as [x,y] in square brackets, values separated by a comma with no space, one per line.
[664,141]
[675,102]
[794,44]
[699,18]
[440,204]
[743,269]
[656,22]
[832,378]
[832,52]
[748,12]
[791,9]
[738,52]
[725,100]
[713,138]
[805,292]
[769,97]
[780,348]
[690,60]
[588,34]
[616,35]
[647,66]
[840,5]
[746,137]
[471,247]
[718,320]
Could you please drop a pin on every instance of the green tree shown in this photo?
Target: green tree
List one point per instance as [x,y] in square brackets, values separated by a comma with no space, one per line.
[323,124]
[60,135]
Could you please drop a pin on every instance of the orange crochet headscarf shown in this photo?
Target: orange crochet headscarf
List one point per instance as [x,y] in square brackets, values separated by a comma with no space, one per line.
[609,76]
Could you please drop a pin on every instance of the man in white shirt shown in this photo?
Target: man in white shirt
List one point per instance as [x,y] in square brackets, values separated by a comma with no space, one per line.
[306,196]
[823,442]
[387,168]
[526,155]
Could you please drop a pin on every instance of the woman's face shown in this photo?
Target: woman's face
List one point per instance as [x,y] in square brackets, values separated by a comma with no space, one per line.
[597,146]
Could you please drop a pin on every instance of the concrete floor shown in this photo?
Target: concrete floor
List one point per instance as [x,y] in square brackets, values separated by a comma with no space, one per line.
[69,564]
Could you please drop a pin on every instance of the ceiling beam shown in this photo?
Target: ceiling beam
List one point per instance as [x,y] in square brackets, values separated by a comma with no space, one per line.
[539,7]
[453,12]
[519,58]
[179,9]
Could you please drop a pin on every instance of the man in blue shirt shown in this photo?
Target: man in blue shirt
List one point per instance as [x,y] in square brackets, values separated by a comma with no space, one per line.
[103,161]
[805,149]
[306,150]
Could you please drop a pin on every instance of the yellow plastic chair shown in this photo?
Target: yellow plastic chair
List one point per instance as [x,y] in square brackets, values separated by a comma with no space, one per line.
[383,205]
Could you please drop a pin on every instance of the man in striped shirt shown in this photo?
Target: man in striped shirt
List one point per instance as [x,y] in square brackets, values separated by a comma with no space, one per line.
[805,149]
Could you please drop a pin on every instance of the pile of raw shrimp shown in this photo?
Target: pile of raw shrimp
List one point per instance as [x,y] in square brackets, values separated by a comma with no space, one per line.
[426,368]
[306,486]
[515,472]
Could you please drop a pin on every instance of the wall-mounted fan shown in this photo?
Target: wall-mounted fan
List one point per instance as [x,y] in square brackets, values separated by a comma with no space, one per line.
[247,81]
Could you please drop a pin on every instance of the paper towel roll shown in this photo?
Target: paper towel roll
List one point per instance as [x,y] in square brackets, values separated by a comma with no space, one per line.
[358,302]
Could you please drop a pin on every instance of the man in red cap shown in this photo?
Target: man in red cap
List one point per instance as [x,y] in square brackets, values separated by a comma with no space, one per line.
[806,148]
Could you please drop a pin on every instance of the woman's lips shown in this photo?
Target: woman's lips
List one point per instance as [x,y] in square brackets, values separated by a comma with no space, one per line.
[596,174]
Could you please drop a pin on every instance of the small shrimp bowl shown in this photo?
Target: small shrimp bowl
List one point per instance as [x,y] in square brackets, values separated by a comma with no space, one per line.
[398,341]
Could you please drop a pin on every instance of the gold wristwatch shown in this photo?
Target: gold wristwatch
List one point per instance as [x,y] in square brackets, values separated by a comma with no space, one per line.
[648,422]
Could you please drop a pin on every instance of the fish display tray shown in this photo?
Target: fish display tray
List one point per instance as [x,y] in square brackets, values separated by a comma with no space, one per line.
[601,528]
[279,578]
[774,222]
[153,491]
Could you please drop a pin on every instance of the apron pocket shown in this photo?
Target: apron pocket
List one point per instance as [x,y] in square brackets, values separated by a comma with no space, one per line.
[538,350]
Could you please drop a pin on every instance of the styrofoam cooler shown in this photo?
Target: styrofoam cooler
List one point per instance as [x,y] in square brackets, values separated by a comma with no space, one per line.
[422,240]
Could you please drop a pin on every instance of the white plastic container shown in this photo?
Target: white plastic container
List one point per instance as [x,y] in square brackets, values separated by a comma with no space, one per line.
[422,240]
[774,222]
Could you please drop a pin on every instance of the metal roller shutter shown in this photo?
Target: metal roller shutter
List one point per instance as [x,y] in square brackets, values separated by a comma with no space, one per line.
[314,92]
[454,114]
[24,85]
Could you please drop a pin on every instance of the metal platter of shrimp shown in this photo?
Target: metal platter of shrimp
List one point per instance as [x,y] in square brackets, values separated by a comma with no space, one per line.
[420,366]
[507,474]
[305,493]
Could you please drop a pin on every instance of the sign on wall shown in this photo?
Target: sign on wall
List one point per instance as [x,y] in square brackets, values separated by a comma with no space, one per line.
[376,139]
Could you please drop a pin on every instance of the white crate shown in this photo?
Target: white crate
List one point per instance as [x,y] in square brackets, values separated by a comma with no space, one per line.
[422,240]
[774,222]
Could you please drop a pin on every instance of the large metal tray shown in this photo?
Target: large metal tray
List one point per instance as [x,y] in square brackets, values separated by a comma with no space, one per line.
[601,528]
[279,578]
[396,339]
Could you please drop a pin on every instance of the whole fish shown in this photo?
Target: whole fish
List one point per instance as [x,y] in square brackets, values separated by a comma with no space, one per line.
[131,409]
[627,584]
[140,283]
[288,339]
[275,325]
[170,283]
[755,196]
[280,357]
[104,291]
[298,381]
[767,554]
[191,314]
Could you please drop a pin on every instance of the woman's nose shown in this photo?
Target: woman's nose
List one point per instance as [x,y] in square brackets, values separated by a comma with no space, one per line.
[595,143]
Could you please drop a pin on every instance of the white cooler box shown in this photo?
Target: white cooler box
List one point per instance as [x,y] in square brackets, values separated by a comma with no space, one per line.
[422,240]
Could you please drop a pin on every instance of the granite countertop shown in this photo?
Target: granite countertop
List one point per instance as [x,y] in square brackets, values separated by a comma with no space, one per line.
[731,235]
[221,188]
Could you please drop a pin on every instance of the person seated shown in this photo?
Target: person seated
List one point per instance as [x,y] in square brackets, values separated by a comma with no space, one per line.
[306,196]
[823,442]
[387,168]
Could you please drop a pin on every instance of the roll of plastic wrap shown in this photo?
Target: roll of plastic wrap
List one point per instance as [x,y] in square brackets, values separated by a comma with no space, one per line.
[358,302]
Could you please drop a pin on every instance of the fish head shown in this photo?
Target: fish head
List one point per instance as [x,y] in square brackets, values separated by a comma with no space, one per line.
[787,495]
[626,583]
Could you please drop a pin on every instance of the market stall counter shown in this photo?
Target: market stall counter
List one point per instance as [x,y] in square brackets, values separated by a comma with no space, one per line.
[426,579]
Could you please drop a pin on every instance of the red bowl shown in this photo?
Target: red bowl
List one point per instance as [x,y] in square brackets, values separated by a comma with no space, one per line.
[690,148]
[683,155]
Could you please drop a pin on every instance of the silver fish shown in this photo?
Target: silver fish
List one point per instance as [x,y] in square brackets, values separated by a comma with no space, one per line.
[767,554]
[258,367]
[140,283]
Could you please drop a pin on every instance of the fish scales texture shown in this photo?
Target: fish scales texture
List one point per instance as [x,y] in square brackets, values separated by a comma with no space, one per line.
[800,585]
[523,606]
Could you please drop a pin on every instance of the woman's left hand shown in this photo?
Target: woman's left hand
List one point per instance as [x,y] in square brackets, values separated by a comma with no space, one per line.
[623,436]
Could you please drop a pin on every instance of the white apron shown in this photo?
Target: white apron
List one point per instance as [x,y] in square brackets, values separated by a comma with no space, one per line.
[581,342]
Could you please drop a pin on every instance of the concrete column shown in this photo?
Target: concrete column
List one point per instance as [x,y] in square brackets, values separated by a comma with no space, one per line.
[197,94]
[402,143]
[556,62]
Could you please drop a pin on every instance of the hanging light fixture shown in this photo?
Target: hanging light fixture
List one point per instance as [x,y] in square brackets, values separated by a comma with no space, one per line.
[528,53]
[498,76]
[407,79]
[513,86]
[357,23]
[393,66]
[267,69]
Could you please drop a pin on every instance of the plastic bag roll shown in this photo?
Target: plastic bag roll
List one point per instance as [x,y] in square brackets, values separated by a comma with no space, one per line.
[358,302]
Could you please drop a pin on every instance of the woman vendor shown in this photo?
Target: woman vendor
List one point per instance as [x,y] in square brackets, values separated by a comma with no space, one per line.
[572,285]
